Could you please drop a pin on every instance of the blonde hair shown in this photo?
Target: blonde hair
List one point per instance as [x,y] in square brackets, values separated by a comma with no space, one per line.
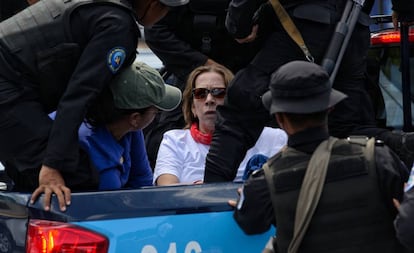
[190,85]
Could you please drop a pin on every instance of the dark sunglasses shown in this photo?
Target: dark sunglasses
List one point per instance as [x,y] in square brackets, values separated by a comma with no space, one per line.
[201,93]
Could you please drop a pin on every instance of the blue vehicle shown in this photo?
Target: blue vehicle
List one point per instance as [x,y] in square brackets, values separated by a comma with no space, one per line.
[172,219]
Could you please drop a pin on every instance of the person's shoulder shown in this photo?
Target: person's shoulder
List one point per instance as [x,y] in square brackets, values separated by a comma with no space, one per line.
[271,134]
[177,132]
[357,144]
[107,5]
[271,141]
[177,135]
[118,13]
[386,158]
[273,131]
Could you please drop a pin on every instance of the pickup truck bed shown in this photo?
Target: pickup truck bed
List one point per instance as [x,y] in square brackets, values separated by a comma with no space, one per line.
[185,219]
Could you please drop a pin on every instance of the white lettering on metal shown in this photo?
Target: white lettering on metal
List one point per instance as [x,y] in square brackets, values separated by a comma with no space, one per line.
[149,249]
[191,247]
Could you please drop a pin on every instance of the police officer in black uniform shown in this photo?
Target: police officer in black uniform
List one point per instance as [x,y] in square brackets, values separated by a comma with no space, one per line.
[196,33]
[355,211]
[59,55]
[242,117]
[190,36]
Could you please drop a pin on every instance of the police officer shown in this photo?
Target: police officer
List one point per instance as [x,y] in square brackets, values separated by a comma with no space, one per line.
[190,36]
[196,32]
[241,119]
[355,211]
[59,55]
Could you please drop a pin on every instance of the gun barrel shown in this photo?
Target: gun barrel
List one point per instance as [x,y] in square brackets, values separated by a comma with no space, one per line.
[331,55]
[341,36]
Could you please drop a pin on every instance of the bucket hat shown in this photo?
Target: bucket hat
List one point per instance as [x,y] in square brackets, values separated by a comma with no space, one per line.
[300,87]
[140,86]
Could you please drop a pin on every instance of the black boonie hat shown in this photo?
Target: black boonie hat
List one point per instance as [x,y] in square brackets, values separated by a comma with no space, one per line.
[300,87]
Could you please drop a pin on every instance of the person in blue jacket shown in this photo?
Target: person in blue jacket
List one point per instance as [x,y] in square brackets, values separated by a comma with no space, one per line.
[112,135]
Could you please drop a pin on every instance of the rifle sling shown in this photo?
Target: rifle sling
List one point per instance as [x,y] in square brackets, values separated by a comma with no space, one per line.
[291,28]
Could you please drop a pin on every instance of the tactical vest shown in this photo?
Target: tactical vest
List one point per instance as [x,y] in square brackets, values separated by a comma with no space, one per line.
[345,220]
[36,44]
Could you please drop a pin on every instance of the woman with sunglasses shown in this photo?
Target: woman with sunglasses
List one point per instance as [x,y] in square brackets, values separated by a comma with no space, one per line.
[182,152]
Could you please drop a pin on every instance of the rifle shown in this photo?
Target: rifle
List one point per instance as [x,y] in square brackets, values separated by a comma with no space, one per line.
[341,36]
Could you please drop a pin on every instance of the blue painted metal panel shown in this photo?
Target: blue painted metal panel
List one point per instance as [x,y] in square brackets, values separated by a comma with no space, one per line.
[189,233]
[151,201]
[174,219]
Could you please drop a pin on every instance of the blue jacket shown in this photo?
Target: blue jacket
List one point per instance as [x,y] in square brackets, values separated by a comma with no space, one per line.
[122,164]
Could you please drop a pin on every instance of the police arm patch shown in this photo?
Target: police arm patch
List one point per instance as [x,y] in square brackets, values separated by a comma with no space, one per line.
[115,59]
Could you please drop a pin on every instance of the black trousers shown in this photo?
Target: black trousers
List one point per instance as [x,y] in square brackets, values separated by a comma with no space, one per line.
[242,117]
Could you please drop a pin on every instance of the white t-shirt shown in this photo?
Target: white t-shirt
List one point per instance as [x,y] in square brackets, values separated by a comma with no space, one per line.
[181,156]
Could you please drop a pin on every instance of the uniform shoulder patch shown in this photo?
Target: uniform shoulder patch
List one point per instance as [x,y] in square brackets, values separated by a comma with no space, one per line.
[115,59]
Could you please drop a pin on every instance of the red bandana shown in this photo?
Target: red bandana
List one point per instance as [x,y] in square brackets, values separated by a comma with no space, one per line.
[199,136]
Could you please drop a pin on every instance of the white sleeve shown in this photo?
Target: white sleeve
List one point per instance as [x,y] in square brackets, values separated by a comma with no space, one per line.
[269,143]
[272,140]
[169,157]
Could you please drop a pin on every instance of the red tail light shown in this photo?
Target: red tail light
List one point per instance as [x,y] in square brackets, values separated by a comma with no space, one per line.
[57,237]
[389,37]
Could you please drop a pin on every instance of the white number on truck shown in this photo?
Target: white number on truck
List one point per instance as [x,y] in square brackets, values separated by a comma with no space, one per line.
[191,247]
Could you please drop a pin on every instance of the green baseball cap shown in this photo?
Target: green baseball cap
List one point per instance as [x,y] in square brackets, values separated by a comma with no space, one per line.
[140,86]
